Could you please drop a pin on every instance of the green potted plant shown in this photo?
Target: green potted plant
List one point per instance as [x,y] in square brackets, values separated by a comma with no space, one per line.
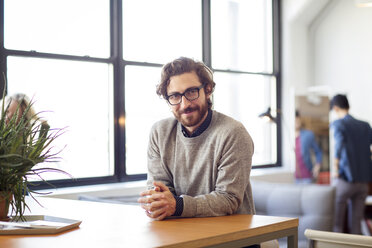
[24,143]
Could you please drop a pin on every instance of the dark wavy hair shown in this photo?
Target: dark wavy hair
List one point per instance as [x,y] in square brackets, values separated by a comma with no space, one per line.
[184,65]
[340,101]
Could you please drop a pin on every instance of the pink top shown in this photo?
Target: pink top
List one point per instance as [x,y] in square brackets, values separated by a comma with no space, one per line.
[301,169]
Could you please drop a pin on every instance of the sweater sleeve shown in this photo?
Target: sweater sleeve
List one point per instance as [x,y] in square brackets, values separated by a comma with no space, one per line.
[232,182]
[158,172]
[156,169]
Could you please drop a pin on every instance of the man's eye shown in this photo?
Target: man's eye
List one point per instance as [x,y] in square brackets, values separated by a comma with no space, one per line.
[174,96]
[192,91]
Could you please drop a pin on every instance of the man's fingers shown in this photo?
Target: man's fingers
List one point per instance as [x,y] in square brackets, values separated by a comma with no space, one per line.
[151,198]
[154,205]
[161,186]
[158,196]
[159,212]
[157,189]
[161,217]
[145,207]
[158,204]
[148,214]
[149,192]
[144,200]
[145,193]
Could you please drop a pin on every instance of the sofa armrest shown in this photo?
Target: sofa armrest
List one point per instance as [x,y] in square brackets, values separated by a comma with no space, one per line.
[320,239]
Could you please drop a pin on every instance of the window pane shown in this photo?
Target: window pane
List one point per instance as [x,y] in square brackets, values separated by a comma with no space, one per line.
[60,26]
[78,96]
[242,35]
[160,31]
[244,97]
[143,108]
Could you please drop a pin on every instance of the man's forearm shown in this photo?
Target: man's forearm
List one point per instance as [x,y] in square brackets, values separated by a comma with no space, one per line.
[212,204]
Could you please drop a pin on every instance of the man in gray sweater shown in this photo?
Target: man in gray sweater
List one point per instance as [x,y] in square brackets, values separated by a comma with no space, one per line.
[199,162]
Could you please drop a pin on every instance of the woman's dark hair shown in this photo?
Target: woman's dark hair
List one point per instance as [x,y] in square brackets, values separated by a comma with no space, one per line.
[184,65]
[340,101]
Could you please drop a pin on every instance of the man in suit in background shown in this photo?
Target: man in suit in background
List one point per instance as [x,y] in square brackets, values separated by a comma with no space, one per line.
[352,166]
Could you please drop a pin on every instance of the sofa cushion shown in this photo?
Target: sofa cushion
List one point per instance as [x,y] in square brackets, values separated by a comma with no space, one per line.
[284,201]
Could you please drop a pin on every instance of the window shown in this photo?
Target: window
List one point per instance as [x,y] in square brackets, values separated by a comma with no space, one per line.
[149,36]
[142,109]
[61,26]
[93,67]
[242,35]
[74,95]
[243,96]
[242,57]
[159,31]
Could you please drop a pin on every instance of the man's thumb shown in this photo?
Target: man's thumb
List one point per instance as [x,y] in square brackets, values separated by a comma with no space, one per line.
[161,186]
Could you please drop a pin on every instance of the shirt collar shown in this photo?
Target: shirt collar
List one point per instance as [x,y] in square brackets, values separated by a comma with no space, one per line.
[201,128]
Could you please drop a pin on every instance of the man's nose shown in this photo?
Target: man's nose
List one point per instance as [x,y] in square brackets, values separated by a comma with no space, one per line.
[185,102]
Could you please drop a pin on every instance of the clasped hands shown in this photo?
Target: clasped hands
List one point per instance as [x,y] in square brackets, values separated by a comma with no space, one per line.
[158,202]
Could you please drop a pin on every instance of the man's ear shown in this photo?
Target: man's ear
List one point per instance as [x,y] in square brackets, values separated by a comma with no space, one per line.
[208,90]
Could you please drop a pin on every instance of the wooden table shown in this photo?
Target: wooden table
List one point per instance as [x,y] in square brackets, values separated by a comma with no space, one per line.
[115,225]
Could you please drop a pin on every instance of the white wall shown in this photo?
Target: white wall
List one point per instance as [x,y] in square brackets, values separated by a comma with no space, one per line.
[343,55]
[325,44]
[297,56]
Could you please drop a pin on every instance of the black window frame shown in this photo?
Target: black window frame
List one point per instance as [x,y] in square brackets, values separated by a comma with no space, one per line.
[117,61]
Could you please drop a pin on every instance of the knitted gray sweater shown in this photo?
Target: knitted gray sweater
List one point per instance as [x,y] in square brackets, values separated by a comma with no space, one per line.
[210,172]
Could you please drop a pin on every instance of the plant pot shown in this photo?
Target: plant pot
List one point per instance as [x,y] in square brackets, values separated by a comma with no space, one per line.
[4,205]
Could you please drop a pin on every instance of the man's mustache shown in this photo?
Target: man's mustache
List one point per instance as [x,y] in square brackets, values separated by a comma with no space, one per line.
[189,109]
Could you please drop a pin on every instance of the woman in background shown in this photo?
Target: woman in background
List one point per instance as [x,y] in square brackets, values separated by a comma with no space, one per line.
[18,104]
[306,172]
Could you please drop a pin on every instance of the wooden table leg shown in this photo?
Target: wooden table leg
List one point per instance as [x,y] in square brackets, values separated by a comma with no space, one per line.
[292,241]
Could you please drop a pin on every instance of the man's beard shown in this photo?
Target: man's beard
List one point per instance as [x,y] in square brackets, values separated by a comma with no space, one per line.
[195,118]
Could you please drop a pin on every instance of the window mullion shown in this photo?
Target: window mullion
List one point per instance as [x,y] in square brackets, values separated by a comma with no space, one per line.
[206,32]
[118,67]
[2,53]
[277,73]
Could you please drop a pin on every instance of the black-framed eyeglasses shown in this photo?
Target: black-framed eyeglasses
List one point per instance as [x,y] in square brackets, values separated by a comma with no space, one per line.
[190,94]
